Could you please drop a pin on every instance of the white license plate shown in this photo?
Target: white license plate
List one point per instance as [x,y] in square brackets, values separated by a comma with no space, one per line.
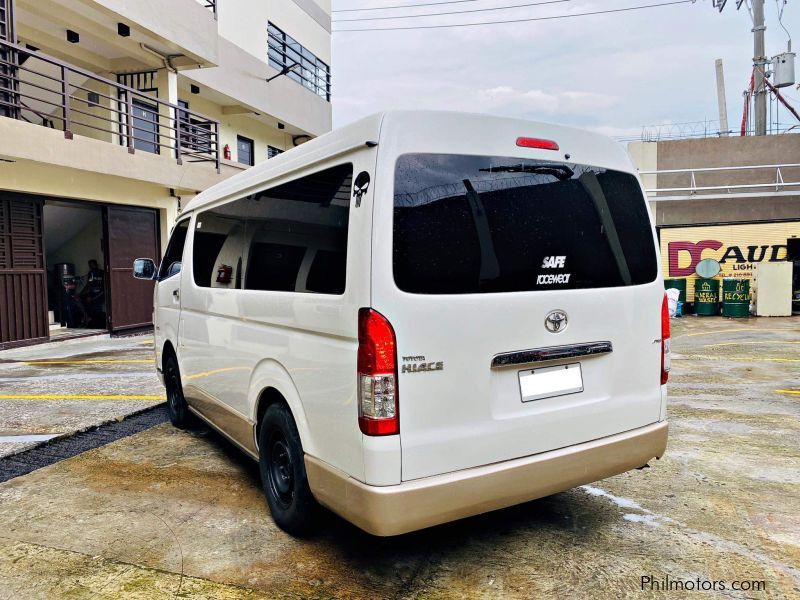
[548,382]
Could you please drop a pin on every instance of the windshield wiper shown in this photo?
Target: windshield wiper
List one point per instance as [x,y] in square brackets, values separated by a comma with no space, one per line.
[490,268]
[560,172]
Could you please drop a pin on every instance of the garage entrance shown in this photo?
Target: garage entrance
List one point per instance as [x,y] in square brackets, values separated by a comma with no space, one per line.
[66,268]
[75,258]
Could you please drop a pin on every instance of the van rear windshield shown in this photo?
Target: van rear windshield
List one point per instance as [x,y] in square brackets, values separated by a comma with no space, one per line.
[480,224]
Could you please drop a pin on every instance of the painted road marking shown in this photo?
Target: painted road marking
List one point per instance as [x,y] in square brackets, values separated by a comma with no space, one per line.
[749,343]
[781,329]
[795,392]
[81,397]
[87,362]
[740,358]
[23,437]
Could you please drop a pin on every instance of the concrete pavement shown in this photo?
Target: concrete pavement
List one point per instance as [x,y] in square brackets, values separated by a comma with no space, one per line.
[167,512]
[56,389]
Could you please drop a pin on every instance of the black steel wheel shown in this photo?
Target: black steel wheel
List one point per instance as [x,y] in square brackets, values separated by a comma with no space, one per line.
[283,472]
[179,413]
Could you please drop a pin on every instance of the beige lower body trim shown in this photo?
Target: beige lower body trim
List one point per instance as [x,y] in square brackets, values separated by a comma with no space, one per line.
[228,422]
[397,509]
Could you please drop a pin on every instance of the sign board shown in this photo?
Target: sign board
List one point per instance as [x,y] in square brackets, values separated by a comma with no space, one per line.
[738,248]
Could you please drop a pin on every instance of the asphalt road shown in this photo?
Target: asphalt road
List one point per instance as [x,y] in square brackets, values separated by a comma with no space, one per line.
[165,512]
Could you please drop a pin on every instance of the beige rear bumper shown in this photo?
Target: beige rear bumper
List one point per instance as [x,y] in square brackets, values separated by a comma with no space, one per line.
[396,509]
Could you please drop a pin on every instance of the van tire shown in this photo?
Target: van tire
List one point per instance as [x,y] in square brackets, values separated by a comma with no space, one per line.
[283,473]
[179,413]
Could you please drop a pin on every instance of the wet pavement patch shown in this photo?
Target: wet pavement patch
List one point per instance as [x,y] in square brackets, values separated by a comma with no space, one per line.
[56,450]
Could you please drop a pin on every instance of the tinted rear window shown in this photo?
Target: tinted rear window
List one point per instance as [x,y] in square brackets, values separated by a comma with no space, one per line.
[473,224]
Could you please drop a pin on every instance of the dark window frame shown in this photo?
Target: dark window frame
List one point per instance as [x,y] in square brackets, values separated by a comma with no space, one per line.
[252,144]
[273,151]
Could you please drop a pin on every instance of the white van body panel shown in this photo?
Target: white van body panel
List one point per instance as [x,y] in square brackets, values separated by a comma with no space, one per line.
[237,343]
[167,309]
[468,414]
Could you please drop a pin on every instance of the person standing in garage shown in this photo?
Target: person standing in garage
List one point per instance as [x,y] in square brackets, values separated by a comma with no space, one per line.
[93,295]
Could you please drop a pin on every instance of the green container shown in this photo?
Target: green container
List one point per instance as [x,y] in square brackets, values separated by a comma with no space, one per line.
[706,297]
[735,297]
[678,284]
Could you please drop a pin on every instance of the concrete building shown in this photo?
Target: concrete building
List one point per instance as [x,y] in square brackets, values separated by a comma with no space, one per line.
[732,199]
[113,114]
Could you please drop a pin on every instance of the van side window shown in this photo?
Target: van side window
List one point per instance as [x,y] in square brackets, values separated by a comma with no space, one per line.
[289,238]
[297,234]
[173,257]
[218,242]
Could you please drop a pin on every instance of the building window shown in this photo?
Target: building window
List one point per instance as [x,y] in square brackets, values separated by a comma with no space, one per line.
[272,151]
[310,72]
[244,150]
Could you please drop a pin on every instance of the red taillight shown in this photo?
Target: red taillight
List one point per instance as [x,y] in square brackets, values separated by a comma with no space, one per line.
[665,342]
[377,375]
[526,142]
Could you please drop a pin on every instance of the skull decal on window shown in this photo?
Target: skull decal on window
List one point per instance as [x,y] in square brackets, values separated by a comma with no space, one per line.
[360,186]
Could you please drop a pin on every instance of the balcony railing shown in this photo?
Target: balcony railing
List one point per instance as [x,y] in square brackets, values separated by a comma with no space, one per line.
[210,4]
[41,89]
[750,181]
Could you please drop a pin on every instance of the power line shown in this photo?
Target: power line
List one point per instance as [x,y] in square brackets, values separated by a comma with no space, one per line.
[402,6]
[455,12]
[529,19]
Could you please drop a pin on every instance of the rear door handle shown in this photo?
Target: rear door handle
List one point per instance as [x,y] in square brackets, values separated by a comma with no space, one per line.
[176,294]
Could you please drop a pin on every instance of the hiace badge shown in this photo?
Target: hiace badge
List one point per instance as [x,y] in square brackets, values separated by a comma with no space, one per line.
[419,364]
[553,262]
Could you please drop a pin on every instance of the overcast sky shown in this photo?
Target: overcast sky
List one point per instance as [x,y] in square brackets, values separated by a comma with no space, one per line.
[611,73]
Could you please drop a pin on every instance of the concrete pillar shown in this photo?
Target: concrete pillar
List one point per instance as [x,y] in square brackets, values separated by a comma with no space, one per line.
[167,84]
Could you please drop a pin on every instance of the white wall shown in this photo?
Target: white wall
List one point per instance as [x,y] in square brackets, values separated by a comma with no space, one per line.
[232,125]
[85,245]
[244,22]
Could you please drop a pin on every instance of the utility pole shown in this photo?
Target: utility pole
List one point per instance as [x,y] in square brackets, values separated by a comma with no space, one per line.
[723,107]
[759,61]
[760,66]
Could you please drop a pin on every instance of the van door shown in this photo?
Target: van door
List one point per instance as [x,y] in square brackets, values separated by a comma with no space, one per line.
[498,268]
[168,290]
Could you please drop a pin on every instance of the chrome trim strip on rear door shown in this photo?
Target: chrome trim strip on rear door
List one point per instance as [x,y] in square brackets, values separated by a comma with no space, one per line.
[535,355]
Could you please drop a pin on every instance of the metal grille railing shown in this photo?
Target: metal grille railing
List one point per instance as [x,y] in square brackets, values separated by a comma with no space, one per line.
[730,182]
[41,89]
[300,64]
[210,4]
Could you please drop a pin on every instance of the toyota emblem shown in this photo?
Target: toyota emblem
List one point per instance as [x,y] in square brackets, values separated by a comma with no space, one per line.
[556,321]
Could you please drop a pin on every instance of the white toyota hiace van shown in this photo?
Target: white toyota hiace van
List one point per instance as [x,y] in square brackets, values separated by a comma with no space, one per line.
[419,317]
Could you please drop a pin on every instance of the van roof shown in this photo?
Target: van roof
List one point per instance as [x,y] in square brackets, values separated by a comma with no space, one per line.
[391,125]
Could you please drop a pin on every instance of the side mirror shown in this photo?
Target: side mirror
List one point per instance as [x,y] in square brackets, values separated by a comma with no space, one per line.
[144,268]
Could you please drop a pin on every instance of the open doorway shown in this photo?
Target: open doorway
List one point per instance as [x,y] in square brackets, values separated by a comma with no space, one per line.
[75,258]
[793,254]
